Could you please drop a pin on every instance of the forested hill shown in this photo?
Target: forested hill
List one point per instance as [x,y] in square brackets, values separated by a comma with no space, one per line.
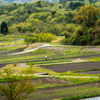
[3,3]
[25,1]
[39,16]
[42,16]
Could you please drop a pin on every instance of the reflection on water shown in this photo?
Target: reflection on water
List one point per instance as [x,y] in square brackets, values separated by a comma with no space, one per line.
[94,98]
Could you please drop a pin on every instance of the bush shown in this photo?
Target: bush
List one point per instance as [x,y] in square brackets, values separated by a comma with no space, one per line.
[71,27]
[29,39]
[64,33]
[97,26]
[45,37]
[81,36]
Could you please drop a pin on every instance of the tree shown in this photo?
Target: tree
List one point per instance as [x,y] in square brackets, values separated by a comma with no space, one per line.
[87,15]
[28,39]
[4,28]
[16,87]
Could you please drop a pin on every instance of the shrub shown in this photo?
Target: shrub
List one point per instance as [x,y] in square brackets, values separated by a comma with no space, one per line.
[70,27]
[29,39]
[45,37]
[97,26]
[81,36]
[64,33]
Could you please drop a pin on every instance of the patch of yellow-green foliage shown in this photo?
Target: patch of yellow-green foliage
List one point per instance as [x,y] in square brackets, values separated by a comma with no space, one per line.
[16,87]
[94,59]
[12,48]
[18,69]
[12,43]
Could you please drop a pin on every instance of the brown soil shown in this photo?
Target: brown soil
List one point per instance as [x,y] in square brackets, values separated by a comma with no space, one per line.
[14,51]
[51,80]
[46,80]
[72,67]
[51,92]
[22,65]
[93,49]
[56,48]
[91,72]
[2,65]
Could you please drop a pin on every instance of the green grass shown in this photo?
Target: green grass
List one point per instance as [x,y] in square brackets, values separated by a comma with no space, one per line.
[12,43]
[12,48]
[69,51]
[3,80]
[66,92]
[35,69]
[94,59]
[53,53]
[14,59]
[85,70]
[83,80]
[79,97]
[11,37]
[73,73]
[53,61]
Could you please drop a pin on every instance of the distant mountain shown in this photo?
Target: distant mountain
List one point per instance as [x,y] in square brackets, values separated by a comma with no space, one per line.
[3,3]
[25,1]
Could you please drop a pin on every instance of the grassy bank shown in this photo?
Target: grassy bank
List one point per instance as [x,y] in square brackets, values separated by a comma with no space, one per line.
[65,92]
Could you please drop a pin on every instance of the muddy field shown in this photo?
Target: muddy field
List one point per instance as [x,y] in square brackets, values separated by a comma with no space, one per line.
[51,93]
[91,72]
[72,67]
[51,80]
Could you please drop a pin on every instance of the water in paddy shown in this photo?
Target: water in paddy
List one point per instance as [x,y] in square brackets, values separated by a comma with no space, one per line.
[94,98]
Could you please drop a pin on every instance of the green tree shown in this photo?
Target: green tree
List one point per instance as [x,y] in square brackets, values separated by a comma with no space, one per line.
[4,28]
[46,37]
[28,39]
[87,15]
[16,87]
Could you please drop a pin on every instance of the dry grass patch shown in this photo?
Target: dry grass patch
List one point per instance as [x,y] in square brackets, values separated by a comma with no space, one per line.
[21,68]
[58,41]
[15,69]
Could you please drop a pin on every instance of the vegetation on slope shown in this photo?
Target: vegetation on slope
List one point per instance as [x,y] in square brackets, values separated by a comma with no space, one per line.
[3,3]
[58,19]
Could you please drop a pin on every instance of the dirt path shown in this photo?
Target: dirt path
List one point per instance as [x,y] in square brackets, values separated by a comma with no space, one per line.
[66,76]
[45,45]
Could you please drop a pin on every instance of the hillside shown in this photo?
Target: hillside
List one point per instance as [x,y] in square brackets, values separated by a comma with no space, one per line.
[25,1]
[44,17]
[3,3]
[39,16]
